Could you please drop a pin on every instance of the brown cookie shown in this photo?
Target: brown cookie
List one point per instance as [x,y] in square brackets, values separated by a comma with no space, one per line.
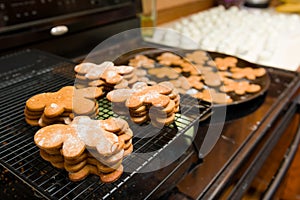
[95,136]
[75,167]
[67,99]
[54,152]
[138,114]
[181,84]
[190,68]
[142,61]
[195,82]
[96,83]
[140,119]
[168,109]
[68,145]
[105,71]
[110,160]
[59,165]
[157,121]
[114,124]
[76,160]
[225,63]
[139,109]
[169,59]
[240,88]
[128,151]
[213,96]
[199,57]
[164,72]
[112,176]
[51,158]
[60,136]
[119,95]
[83,173]
[212,79]
[32,117]
[247,72]
[126,136]
[103,168]
[128,144]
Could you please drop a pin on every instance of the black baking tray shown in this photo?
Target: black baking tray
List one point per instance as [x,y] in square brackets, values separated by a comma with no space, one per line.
[35,72]
[154,52]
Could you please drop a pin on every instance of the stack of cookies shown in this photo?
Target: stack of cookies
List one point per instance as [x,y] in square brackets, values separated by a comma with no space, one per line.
[120,128]
[105,75]
[118,97]
[159,103]
[87,147]
[61,106]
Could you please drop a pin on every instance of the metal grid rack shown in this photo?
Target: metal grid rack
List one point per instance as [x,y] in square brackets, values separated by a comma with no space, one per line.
[19,154]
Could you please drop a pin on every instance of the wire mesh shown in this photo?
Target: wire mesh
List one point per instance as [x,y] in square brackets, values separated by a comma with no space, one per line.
[19,154]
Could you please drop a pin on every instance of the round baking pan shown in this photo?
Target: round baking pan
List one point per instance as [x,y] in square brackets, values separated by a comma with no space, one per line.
[153,53]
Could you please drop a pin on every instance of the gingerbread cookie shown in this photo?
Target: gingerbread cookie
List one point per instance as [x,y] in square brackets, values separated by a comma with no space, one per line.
[199,57]
[247,72]
[65,147]
[195,82]
[169,59]
[105,75]
[83,173]
[212,79]
[211,95]
[192,69]
[181,84]
[164,72]
[47,108]
[60,136]
[240,88]
[163,98]
[142,61]
[225,63]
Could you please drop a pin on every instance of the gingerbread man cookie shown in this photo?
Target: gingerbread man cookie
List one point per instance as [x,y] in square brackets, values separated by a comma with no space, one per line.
[199,57]
[169,59]
[240,88]
[225,63]
[105,75]
[164,72]
[247,72]
[47,108]
[211,95]
[65,147]
[142,61]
